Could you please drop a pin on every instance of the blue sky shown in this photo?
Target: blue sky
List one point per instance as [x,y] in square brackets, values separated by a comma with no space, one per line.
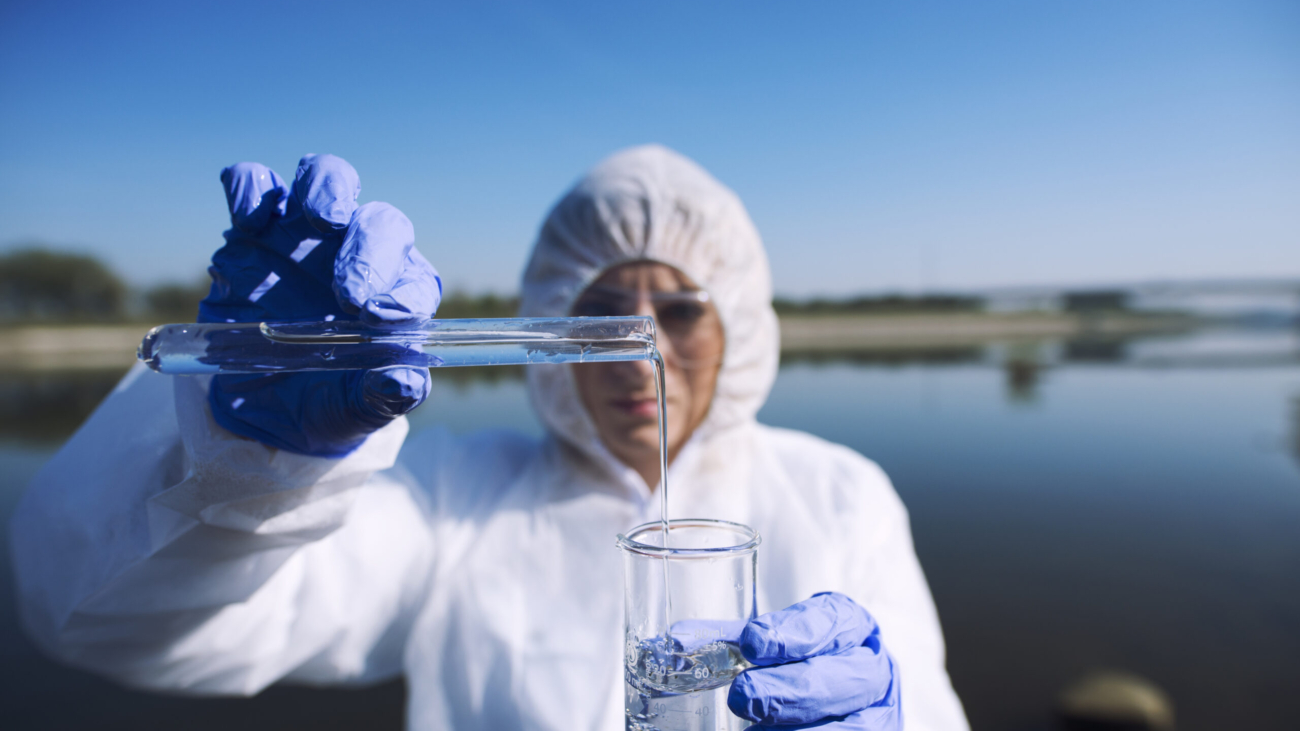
[879,146]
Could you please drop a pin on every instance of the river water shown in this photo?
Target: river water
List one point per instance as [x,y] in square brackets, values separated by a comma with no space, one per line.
[1076,506]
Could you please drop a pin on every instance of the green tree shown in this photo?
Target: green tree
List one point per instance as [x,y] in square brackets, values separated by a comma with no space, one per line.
[38,284]
[176,302]
[459,304]
[882,305]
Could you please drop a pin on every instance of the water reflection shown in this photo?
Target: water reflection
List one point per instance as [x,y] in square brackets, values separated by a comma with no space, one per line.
[46,407]
[463,378]
[1074,504]
[43,408]
[1023,364]
[1096,350]
[1293,443]
[1022,380]
[1100,528]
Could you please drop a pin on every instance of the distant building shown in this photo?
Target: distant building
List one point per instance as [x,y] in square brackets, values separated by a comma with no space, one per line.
[1257,300]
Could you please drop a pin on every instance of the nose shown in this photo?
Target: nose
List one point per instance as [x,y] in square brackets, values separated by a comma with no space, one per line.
[641,371]
[645,308]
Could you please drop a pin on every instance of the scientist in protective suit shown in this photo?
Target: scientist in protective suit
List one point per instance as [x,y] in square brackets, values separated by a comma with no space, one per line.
[215,535]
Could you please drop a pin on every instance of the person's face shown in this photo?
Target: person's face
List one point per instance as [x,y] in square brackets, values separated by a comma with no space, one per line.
[620,397]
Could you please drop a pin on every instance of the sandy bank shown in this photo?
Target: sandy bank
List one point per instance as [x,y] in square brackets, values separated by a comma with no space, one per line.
[99,347]
[90,347]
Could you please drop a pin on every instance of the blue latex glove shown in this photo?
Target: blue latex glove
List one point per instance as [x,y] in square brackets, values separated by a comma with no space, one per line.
[822,666]
[310,253]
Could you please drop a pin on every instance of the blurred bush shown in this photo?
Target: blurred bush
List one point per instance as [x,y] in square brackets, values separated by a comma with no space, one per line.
[889,304]
[43,407]
[176,302]
[42,285]
[1096,301]
[459,304]
[37,284]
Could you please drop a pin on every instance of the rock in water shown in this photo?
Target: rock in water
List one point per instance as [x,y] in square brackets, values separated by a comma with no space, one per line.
[1115,701]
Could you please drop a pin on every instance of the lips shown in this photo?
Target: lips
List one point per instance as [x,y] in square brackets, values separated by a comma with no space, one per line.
[640,407]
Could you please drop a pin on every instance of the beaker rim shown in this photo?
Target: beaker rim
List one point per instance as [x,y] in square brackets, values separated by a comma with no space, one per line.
[749,545]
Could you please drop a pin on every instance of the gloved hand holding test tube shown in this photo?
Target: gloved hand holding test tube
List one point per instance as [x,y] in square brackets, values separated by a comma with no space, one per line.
[309,253]
[318,328]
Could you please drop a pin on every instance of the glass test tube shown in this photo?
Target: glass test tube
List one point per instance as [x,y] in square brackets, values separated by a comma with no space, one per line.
[192,349]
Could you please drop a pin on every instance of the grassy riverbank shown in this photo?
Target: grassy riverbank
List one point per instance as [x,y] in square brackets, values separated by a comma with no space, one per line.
[921,331]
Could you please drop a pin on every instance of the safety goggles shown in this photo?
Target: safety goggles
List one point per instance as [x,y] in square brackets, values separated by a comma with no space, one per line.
[686,321]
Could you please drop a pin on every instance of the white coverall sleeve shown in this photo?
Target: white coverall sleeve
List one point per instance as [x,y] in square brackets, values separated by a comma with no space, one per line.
[167,553]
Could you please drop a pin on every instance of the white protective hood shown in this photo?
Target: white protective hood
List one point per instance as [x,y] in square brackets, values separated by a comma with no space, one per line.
[650,203]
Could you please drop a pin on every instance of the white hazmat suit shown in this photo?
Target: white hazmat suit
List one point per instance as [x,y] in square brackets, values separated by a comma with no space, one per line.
[167,553]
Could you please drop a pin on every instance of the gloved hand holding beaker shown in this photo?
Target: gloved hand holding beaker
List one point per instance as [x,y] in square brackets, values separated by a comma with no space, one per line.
[310,253]
[820,665]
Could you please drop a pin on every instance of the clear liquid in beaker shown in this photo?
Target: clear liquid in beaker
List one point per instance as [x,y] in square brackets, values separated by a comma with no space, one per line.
[681,683]
[664,665]
[704,710]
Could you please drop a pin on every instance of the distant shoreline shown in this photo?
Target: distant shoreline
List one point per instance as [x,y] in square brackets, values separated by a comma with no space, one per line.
[923,330]
[70,347]
[97,347]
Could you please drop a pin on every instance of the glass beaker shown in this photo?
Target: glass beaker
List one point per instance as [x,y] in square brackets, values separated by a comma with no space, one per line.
[685,605]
